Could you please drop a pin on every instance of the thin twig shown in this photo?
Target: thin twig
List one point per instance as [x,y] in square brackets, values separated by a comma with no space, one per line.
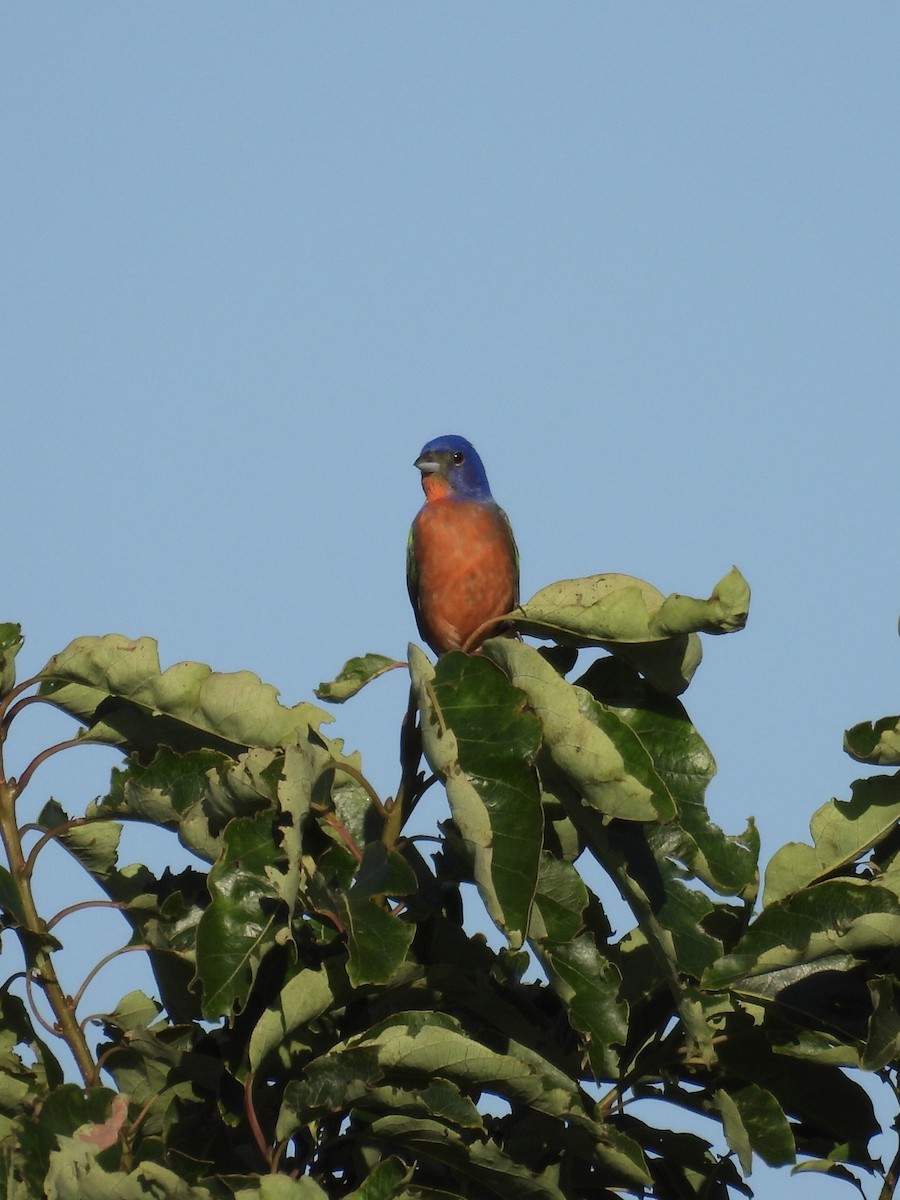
[102,963]
[22,783]
[54,1029]
[891,1177]
[344,834]
[49,835]
[11,695]
[476,638]
[258,1136]
[363,783]
[73,908]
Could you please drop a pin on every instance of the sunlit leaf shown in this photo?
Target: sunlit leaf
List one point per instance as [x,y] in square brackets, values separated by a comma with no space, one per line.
[627,615]
[384,1181]
[282,1187]
[115,687]
[841,830]
[620,608]
[354,676]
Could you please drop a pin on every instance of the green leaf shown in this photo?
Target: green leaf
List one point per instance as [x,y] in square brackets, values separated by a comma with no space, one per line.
[11,901]
[483,1162]
[590,984]
[383,1182]
[684,766]
[883,1040]
[63,1111]
[377,938]
[559,903]
[305,996]
[354,676]
[75,1174]
[94,844]
[282,1187]
[134,1011]
[11,642]
[826,1105]
[725,611]
[195,794]
[587,982]
[114,686]
[423,1046]
[621,608]
[239,926]
[753,1120]
[842,831]
[580,749]
[478,736]
[839,915]
[627,615]
[875,742]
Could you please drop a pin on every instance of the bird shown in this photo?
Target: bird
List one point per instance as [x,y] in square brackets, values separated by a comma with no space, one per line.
[462,563]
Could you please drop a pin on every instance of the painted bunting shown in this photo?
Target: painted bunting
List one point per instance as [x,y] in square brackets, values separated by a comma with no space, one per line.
[462,565]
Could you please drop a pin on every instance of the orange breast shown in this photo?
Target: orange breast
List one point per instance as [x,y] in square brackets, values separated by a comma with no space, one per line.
[466,570]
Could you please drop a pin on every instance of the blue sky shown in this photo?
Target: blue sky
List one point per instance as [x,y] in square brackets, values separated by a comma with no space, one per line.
[644,256]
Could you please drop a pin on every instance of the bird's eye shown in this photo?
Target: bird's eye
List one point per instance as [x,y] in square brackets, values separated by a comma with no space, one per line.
[458,458]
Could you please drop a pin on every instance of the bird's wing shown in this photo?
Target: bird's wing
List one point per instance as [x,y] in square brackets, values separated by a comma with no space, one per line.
[513,547]
[412,570]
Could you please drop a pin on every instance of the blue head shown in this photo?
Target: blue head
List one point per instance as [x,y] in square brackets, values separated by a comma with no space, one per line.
[450,465]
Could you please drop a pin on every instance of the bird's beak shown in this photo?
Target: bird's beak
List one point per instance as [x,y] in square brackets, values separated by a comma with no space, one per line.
[427,465]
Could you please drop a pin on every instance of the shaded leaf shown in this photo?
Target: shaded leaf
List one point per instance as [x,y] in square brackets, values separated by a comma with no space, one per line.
[240,923]
[683,763]
[11,901]
[195,793]
[883,1040]
[559,903]
[875,742]
[589,984]
[825,1001]
[422,1046]
[354,676]
[383,1181]
[305,996]
[377,938]
[11,642]
[753,1120]
[484,1162]
[282,1187]
[75,1174]
[826,1104]
[94,843]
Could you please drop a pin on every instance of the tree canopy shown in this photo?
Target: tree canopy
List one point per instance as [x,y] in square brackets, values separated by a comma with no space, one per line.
[331,1023]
